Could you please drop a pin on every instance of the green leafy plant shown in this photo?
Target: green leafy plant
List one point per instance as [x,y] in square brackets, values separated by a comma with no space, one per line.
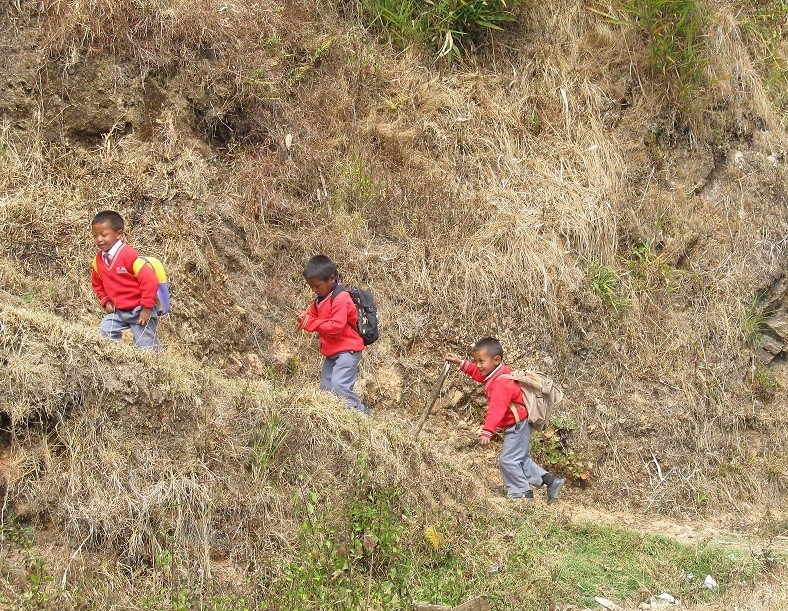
[674,30]
[606,282]
[356,560]
[450,27]
[36,596]
[764,384]
[646,266]
[13,531]
[553,450]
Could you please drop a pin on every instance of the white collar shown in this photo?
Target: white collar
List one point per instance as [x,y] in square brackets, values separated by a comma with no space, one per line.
[492,373]
[113,252]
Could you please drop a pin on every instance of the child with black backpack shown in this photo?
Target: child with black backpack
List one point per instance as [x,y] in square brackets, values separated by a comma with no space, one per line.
[334,317]
[507,410]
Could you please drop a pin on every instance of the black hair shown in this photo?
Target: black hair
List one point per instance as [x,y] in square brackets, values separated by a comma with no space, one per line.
[320,267]
[490,345]
[112,218]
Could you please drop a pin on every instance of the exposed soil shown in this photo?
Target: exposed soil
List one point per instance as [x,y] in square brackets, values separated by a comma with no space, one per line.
[593,503]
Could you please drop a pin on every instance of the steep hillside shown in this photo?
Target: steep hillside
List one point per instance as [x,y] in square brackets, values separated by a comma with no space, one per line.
[616,216]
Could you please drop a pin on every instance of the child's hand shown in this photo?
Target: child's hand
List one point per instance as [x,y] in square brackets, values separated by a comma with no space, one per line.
[484,440]
[453,358]
[145,316]
[303,317]
[109,307]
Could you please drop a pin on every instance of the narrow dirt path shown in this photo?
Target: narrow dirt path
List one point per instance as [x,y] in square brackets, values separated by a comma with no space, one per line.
[689,531]
[459,446]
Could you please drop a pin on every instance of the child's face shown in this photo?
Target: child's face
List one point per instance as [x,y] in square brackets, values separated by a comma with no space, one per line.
[322,287]
[104,236]
[486,363]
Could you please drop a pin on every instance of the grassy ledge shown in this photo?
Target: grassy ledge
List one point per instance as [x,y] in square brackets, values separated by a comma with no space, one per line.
[171,487]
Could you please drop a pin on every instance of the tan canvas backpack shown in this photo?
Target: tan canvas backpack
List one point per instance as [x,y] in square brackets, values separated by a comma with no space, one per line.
[541,395]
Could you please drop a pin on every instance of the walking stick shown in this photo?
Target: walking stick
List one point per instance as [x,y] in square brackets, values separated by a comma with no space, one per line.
[433,397]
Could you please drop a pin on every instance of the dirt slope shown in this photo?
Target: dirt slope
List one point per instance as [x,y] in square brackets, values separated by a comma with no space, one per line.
[550,190]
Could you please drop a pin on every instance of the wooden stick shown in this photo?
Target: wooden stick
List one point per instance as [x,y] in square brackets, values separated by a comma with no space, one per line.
[433,397]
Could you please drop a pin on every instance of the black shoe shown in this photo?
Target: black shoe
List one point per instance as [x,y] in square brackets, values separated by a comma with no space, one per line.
[554,489]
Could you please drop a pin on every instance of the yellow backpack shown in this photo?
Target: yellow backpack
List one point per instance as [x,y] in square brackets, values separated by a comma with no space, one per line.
[163,292]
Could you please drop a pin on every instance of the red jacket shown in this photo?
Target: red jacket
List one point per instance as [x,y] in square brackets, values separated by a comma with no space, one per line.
[335,321]
[501,393]
[118,284]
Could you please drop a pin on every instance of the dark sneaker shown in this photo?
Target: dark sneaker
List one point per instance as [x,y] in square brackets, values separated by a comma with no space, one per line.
[527,496]
[554,489]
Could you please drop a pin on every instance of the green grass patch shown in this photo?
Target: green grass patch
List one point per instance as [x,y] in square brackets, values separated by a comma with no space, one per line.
[765,25]
[754,321]
[573,563]
[449,27]
[379,557]
[674,32]
[607,283]
[379,552]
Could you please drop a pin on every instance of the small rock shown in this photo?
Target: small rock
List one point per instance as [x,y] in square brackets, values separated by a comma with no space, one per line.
[607,604]
[772,345]
[455,399]
[662,601]
[710,582]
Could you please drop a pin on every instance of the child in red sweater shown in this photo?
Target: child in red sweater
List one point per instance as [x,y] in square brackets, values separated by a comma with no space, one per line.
[505,399]
[128,300]
[333,316]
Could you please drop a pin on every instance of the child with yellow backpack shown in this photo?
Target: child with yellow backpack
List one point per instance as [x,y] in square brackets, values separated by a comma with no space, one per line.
[126,284]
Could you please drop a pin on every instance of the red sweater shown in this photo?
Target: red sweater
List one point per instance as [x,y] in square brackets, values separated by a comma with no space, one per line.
[501,393]
[118,284]
[335,321]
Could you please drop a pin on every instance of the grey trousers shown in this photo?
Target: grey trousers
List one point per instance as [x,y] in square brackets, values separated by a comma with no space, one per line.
[517,469]
[339,375]
[144,336]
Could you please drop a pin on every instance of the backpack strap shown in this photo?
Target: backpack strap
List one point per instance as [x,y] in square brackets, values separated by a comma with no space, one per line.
[138,264]
[336,291]
[515,413]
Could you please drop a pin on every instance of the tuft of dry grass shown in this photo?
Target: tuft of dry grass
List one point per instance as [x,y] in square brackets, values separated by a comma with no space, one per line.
[139,454]
[469,200]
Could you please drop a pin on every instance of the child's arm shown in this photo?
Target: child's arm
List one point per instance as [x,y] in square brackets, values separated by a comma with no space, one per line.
[149,284]
[98,288]
[452,358]
[500,399]
[335,324]
[468,367]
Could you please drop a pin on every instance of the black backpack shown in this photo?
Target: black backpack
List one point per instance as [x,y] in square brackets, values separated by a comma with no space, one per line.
[367,313]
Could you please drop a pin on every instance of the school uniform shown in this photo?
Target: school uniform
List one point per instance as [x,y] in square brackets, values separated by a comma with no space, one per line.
[334,318]
[504,398]
[113,280]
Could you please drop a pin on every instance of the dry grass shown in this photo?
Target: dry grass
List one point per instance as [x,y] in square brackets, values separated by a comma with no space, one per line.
[137,455]
[471,201]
